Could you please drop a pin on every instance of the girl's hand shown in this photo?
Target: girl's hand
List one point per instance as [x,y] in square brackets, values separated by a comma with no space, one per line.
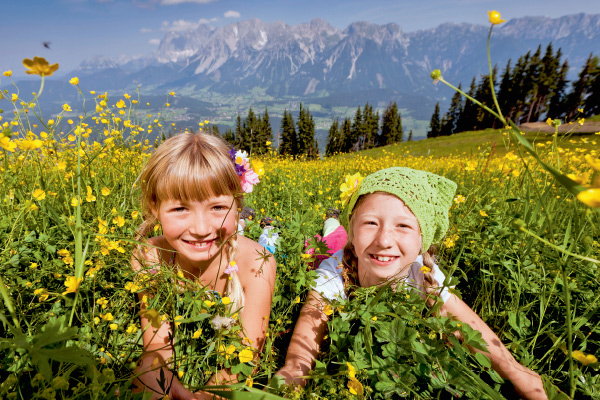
[527,383]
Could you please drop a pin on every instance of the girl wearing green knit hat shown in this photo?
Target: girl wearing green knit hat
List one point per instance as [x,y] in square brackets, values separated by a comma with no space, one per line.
[393,217]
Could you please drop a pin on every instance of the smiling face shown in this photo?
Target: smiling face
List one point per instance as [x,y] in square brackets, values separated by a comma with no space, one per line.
[386,238]
[197,229]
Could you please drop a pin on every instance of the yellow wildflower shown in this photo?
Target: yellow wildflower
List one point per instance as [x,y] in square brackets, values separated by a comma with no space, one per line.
[7,144]
[132,287]
[30,144]
[495,17]
[249,381]
[350,185]
[113,327]
[197,334]
[119,221]
[120,104]
[585,359]
[74,202]
[39,66]
[72,284]
[425,269]
[259,167]
[39,194]
[14,97]
[246,355]
[67,107]
[131,329]
[108,317]
[327,310]
[105,191]
[590,197]
[7,73]
[153,316]
[74,81]
[226,300]
[483,213]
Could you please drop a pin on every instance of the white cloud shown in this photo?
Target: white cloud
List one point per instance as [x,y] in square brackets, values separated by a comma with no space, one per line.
[145,30]
[173,2]
[232,14]
[183,25]
[155,42]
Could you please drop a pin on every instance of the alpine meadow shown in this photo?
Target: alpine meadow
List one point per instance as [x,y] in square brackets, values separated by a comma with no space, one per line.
[523,250]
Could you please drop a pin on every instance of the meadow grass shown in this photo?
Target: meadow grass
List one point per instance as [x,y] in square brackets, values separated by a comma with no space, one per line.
[521,251]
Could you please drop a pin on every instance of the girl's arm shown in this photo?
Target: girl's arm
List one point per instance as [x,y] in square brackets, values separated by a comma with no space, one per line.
[526,382]
[258,281]
[306,340]
[157,348]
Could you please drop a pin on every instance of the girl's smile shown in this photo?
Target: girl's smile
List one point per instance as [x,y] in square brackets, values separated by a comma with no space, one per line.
[197,229]
[386,238]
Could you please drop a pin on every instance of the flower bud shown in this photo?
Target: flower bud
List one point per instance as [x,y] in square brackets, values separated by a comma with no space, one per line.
[436,74]
[518,224]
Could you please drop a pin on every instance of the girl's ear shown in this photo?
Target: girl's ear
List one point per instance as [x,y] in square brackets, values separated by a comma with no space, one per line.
[154,210]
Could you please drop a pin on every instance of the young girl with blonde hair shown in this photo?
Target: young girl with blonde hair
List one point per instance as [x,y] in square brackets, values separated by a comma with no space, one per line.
[393,218]
[192,185]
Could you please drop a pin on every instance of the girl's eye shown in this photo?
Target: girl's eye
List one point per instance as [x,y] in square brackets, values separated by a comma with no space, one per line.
[220,208]
[179,209]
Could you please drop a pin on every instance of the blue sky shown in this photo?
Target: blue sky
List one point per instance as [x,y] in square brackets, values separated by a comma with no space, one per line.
[79,29]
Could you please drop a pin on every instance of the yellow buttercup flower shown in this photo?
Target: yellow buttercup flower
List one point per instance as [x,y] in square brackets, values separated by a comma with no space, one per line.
[14,97]
[153,316]
[105,191]
[74,81]
[327,310]
[590,197]
[246,355]
[197,334]
[72,284]
[30,144]
[7,74]
[39,194]
[585,359]
[67,107]
[259,167]
[7,144]
[39,66]
[350,185]
[120,104]
[494,17]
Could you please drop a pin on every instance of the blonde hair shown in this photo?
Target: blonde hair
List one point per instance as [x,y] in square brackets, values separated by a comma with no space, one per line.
[192,167]
[350,262]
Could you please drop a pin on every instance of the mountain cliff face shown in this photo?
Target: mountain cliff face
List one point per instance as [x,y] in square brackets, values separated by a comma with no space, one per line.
[316,59]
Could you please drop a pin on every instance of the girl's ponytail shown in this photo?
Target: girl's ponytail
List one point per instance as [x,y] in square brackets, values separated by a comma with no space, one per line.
[430,285]
[146,227]
[234,288]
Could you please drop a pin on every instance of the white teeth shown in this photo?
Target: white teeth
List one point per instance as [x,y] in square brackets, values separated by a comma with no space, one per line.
[200,245]
[383,259]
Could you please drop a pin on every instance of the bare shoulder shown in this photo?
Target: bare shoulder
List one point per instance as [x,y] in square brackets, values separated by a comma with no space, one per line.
[149,256]
[254,260]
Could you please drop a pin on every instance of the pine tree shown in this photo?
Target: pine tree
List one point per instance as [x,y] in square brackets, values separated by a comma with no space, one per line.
[370,127]
[229,137]
[435,124]
[334,144]
[289,139]
[466,121]
[391,125]
[353,141]
[450,121]
[410,136]
[556,108]
[239,131]
[592,101]
[577,97]
[345,132]
[306,133]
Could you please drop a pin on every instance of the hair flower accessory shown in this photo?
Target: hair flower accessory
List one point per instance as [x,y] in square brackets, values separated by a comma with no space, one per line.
[248,177]
[231,268]
[350,185]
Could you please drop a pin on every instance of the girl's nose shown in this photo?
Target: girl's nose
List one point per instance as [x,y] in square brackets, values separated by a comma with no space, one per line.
[199,225]
[383,238]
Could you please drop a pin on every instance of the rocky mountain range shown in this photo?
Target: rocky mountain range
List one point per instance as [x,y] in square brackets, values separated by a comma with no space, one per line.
[316,59]
[323,64]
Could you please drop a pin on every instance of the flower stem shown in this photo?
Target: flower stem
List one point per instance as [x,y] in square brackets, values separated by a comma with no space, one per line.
[472,99]
[499,115]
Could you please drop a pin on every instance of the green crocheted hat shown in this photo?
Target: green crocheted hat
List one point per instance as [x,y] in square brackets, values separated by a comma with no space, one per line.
[429,197]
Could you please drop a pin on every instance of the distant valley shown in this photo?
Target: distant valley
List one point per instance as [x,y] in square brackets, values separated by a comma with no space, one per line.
[218,72]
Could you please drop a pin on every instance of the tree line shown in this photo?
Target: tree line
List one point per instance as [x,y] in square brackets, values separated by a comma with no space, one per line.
[535,87]
[254,133]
